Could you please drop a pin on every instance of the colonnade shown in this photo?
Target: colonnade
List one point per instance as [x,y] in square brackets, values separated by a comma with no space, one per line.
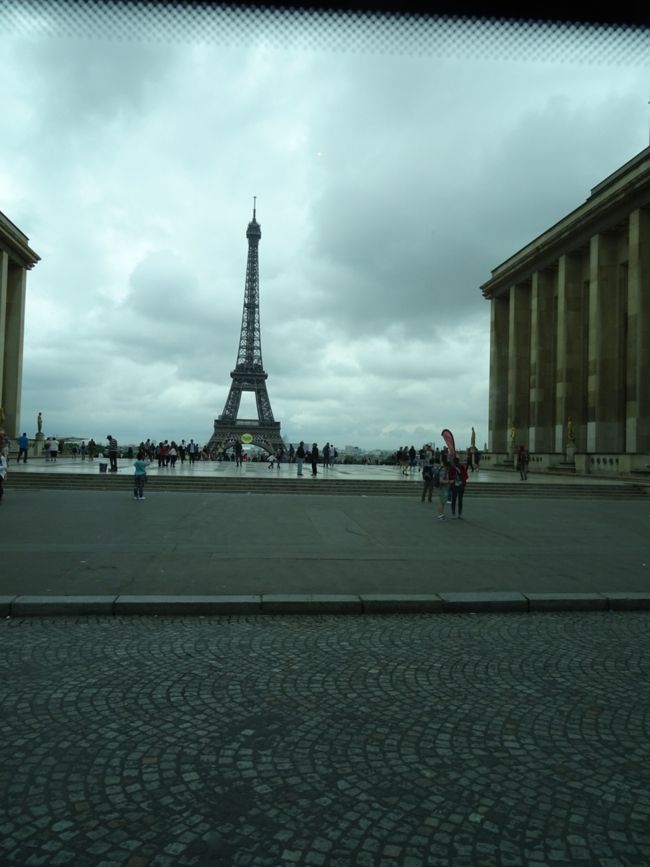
[571,341]
[15,259]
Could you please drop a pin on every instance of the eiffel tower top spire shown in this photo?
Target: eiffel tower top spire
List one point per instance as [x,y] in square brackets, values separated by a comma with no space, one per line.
[249,354]
[254,230]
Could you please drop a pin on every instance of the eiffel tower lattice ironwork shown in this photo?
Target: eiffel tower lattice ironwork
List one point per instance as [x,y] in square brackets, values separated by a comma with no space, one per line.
[249,373]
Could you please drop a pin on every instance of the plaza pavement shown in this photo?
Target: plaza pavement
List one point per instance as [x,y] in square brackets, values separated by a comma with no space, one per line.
[187,549]
[484,476]
[388,740]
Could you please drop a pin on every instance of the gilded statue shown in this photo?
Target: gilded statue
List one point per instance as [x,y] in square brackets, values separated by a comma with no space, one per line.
[570,435]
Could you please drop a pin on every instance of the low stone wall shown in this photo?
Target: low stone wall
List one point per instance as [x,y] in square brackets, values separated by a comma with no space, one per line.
[599,464]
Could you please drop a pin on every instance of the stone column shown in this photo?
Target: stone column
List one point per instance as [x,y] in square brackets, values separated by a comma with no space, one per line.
[605,427]
[498,409]
[542,361]
[637,409]
[572,350]
[14,331]
[519,363]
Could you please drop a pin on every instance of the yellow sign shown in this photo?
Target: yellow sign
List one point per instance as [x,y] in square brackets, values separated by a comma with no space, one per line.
[246,439]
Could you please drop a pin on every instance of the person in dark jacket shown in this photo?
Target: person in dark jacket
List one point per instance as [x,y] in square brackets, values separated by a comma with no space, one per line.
[314,459]
[522,462]
[300,457]
[457,482]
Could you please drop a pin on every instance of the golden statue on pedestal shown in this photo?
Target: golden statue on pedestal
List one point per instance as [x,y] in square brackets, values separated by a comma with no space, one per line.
[570,435]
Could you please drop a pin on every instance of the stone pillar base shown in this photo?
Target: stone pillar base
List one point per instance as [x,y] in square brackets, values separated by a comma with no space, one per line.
[39,443]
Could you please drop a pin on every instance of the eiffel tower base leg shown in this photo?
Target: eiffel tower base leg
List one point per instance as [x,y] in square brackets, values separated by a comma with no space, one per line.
[265,435]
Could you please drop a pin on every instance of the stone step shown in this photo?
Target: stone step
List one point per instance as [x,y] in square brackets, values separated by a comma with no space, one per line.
[321,486]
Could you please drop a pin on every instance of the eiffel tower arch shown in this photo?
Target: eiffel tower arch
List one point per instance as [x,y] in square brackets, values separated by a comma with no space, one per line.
[249,373]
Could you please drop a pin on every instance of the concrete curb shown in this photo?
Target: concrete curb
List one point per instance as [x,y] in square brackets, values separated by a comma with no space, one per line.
[274,604]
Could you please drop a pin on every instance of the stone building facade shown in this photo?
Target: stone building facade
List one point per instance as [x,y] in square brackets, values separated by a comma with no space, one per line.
[570,334]
[16,258]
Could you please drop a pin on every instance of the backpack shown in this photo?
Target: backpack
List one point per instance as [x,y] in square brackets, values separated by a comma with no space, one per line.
[427,472]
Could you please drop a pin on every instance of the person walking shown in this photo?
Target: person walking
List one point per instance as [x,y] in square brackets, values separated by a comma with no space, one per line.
[441,483]
[112,452]
[522,462]
[427,478]
[140,474]
[314,459]
[54,448]
[23,445]
[412,455]
[457,482]
[300,458]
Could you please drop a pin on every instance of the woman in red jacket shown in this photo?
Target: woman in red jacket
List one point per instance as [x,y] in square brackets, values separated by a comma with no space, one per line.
[457,482]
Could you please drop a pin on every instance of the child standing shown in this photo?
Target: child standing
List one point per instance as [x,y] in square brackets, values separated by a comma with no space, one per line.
[141,463]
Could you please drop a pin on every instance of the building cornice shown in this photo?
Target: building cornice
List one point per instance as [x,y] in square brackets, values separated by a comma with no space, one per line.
[610,203]
[16,243]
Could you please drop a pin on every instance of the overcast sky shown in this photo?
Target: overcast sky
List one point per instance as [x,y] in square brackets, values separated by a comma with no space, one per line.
[390,182]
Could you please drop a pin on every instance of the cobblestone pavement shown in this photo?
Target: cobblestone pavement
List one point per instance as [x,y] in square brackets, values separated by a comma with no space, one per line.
[463,740]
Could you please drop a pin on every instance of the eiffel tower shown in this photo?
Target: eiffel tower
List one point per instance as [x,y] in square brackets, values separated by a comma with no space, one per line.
[249,374]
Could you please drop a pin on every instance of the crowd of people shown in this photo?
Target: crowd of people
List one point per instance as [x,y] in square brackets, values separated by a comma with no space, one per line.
[443,475]
[410,460]
[446,477]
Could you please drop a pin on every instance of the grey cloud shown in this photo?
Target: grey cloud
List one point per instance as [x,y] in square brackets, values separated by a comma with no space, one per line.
[74,83]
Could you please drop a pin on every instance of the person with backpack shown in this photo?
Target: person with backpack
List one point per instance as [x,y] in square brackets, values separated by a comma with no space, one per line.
[427,478]
[300,457]
[457,482]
